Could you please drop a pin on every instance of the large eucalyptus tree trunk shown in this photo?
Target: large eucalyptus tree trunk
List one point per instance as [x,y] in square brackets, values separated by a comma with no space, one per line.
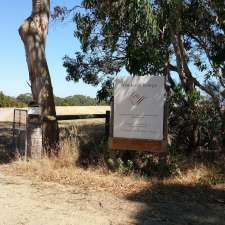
[33,33]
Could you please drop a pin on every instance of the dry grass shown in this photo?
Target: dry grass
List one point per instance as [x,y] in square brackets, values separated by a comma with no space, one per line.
[81,110]
[192,176]
[63,170]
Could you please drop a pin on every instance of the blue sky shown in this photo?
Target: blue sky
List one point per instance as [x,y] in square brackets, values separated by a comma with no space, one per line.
[14,73]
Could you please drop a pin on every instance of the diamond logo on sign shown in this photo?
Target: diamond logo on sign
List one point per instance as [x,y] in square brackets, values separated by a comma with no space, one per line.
[136,99]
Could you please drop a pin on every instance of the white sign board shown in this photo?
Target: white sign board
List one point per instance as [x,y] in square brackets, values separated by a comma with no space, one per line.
[139,107]
[34,111]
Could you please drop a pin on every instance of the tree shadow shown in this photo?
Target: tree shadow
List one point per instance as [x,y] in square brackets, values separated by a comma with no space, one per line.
[177,204]
[91,146]
[88,140]
[6,142]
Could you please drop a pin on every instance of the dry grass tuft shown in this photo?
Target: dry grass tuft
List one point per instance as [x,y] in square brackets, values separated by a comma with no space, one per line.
[63,170]
[193,175]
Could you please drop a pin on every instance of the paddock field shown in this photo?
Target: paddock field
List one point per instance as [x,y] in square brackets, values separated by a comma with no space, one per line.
[6,114]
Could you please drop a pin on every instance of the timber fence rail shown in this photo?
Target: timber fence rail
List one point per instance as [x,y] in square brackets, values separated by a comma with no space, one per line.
[105,116]
[83,116]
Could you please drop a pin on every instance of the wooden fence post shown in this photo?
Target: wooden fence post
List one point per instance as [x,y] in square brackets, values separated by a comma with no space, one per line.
[107,124]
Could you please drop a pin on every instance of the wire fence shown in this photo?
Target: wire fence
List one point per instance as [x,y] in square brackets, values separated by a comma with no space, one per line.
[20,131]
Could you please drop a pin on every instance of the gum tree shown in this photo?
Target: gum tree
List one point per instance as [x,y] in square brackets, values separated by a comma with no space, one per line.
[33,33]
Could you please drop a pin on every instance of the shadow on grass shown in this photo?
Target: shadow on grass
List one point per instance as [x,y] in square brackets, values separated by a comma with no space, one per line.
[87,140]
[177,204]
[6,142]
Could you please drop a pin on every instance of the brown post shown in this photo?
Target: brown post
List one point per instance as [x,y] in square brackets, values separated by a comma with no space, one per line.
[107,124]
[111,118]
[164,156]
[165,124]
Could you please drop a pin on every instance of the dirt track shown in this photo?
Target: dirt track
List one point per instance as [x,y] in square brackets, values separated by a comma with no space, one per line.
[26,202]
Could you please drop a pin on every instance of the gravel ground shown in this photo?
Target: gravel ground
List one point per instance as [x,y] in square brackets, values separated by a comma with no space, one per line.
[32,202]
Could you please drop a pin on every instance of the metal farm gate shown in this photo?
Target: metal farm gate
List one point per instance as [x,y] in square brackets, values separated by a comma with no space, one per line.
[20,131]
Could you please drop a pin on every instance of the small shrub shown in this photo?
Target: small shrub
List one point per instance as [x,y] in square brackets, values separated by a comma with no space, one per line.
[193,122]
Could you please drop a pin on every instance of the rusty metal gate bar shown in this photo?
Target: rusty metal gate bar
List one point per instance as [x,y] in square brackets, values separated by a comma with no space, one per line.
[20,131]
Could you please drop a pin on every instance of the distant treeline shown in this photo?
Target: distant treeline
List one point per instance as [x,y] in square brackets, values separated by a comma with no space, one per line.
[23,100]
[7,101]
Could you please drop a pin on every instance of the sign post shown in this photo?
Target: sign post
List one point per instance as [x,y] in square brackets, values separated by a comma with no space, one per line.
[34,132]
[139,115]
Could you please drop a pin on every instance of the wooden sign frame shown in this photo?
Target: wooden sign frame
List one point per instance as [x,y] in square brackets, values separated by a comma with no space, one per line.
[148,145]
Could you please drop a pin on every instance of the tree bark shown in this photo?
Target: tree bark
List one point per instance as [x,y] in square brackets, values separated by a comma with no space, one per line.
[33,33]
[185,75]
[178,45]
